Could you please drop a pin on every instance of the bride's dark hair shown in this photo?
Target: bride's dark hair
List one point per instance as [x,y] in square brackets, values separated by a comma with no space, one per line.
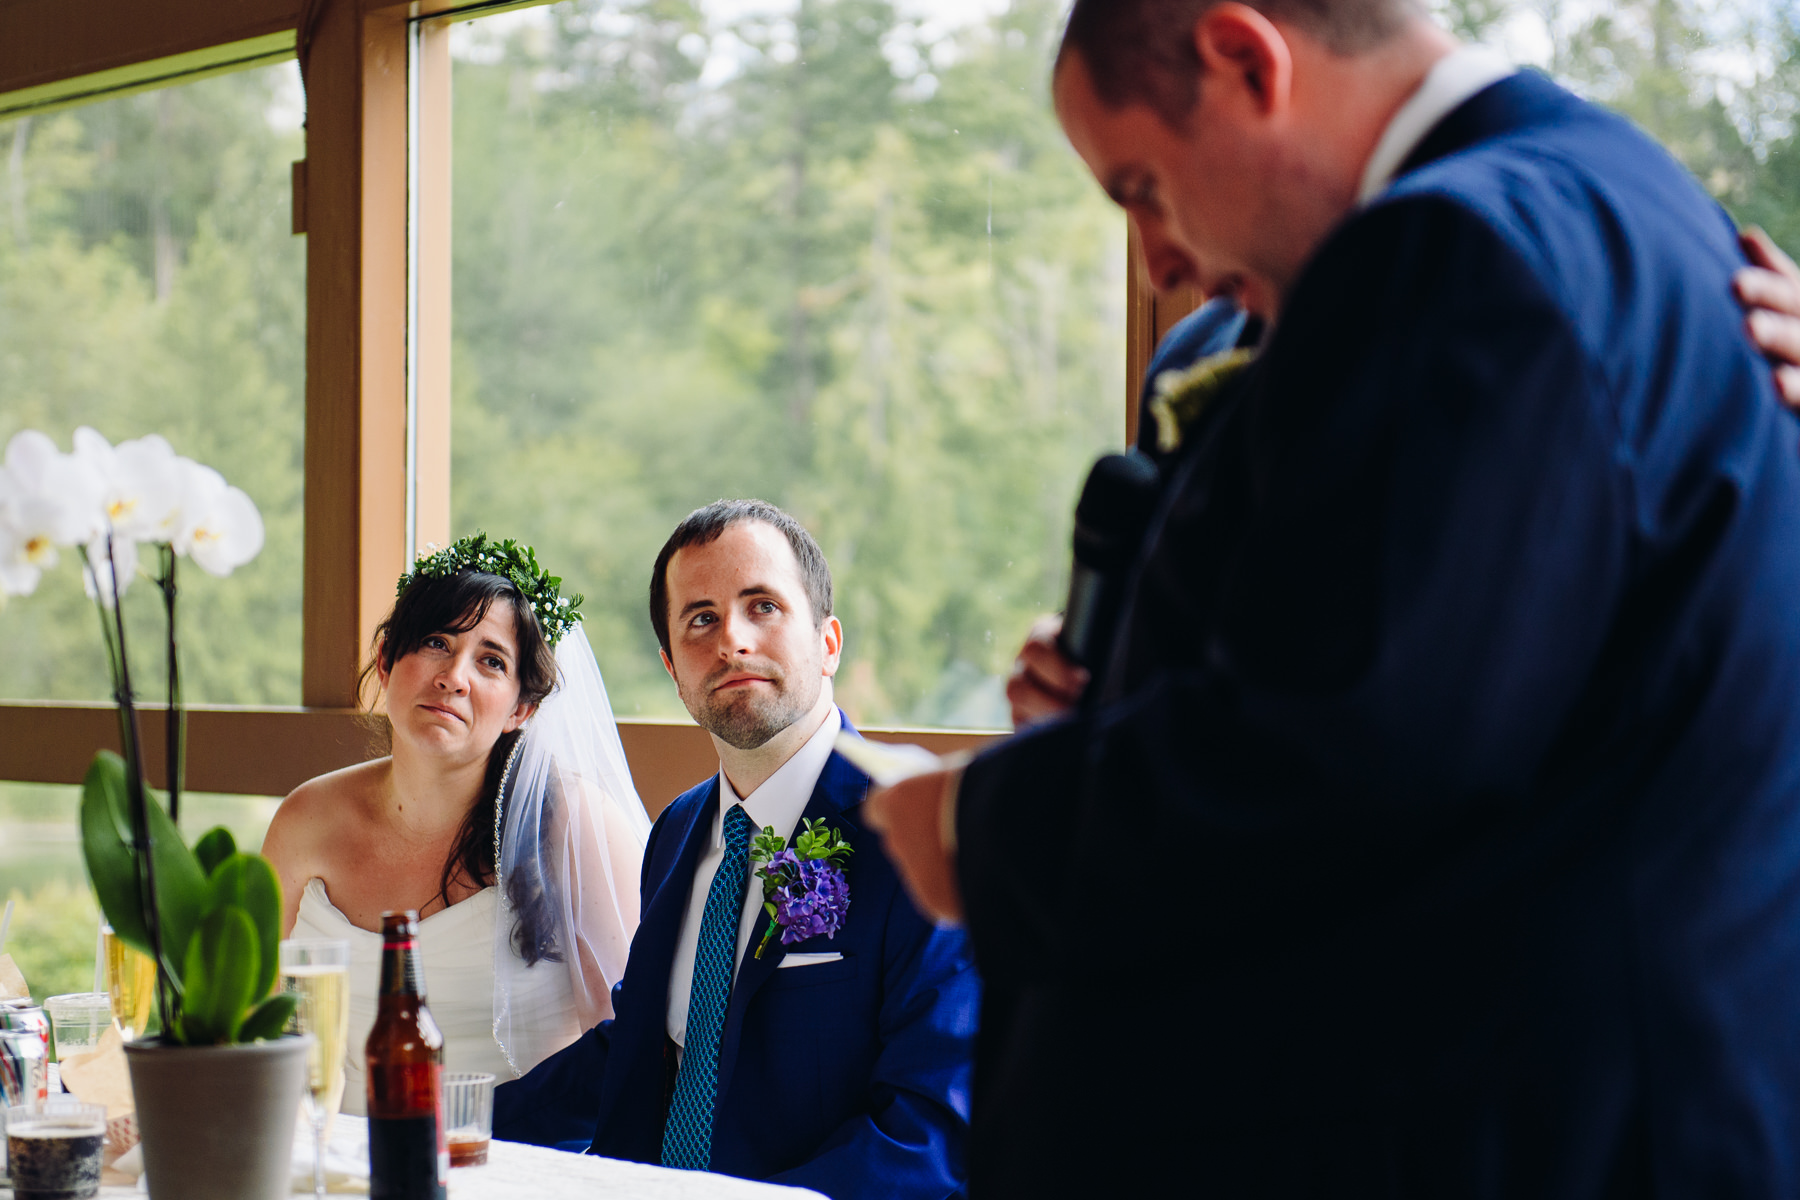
[456,604]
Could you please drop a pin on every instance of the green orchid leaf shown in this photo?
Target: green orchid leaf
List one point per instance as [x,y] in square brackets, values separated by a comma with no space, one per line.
[108,769]
[106,845]
[268,1019]
[248,883]
[214,848]
[223,962]
[112,865]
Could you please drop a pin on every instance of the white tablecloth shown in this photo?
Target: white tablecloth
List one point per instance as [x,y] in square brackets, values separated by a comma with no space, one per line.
[516,1172]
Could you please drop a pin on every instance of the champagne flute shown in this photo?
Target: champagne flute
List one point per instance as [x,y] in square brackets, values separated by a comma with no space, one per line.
[317,970]
[130,984]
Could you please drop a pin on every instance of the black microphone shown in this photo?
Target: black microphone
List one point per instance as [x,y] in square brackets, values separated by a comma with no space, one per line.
[1110,521]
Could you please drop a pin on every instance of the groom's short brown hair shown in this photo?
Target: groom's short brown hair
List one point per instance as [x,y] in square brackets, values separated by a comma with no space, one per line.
[1142,51]
[703,527]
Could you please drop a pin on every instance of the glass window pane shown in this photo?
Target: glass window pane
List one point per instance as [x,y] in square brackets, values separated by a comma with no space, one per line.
[835,254]
[150,283]
[54,915]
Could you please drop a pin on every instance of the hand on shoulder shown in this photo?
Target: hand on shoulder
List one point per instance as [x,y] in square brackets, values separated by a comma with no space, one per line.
[1769,290]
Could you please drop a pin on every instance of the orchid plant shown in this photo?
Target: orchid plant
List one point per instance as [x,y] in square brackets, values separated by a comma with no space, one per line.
[109,501]
[208,917]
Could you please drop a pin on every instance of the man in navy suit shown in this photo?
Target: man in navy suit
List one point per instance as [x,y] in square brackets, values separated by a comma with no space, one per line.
[1440,809]
[838,1062]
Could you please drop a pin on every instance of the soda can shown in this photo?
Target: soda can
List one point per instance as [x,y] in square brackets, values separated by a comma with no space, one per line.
[29,1017]
[24,1076]
[24,1067]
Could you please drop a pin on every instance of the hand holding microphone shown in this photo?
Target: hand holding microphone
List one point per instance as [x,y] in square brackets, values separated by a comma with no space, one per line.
[1044,683]
[1061,655]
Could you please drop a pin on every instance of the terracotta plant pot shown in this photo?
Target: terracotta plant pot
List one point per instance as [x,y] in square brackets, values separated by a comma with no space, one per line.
[218,1121]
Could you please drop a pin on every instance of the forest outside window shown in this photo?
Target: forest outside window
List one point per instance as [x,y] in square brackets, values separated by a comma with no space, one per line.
[835,254]
[150,283]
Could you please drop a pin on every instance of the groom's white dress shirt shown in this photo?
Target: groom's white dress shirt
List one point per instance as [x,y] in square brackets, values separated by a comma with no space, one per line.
[1452,79]
[779,802]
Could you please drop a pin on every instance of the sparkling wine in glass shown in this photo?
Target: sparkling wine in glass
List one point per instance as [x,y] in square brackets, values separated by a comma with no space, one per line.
[317,970]
[130,983]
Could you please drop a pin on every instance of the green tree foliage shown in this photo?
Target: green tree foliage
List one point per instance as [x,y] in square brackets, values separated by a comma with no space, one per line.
[149,284]
[863,276]
[839,257]
[53,936]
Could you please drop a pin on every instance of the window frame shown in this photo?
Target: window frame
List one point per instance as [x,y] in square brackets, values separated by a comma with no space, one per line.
[372,198]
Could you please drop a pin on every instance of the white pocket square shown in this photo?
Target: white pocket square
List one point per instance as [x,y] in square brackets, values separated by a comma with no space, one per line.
[807,960]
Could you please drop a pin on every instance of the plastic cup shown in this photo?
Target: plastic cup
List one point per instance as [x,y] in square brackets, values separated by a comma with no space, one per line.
[53,1150]
[78,1019]
[468,1116]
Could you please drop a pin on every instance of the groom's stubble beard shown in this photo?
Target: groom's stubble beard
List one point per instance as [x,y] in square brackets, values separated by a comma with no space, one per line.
[745,719]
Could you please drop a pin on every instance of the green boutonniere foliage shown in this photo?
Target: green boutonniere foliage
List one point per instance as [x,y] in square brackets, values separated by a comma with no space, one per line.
[1180,396]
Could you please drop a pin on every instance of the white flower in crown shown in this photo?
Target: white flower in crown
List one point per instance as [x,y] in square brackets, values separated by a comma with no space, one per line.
[48,499]
[221,529]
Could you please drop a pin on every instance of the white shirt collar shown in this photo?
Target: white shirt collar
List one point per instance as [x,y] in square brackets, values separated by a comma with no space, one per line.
[1456,77]
[783,796]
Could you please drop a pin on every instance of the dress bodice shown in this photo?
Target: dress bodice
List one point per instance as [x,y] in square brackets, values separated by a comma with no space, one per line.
[456,958]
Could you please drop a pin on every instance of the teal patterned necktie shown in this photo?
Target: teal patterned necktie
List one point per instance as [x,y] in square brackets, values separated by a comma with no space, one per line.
[687,1138]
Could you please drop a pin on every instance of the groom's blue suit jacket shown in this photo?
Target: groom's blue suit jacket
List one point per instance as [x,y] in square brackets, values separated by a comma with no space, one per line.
[848,1077]
[1444,795]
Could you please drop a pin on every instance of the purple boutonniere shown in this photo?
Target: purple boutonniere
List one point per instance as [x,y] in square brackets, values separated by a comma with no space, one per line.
[805,892]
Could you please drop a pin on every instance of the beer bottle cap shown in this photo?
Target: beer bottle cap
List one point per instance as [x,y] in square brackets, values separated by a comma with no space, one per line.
[402,925]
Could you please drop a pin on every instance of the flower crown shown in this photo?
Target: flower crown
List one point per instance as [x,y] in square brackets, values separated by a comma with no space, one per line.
[556,614]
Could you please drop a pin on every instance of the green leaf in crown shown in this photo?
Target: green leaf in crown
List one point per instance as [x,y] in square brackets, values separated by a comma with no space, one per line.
[556,613]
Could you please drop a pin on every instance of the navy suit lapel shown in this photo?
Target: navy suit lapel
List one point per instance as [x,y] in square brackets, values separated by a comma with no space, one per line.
[840,787]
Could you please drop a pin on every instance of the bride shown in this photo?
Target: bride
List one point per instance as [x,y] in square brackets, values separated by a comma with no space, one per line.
[505,816]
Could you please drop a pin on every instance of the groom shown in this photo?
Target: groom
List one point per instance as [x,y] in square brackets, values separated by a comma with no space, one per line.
[838,1063]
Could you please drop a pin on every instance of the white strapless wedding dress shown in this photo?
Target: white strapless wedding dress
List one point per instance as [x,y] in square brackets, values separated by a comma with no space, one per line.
[456,958]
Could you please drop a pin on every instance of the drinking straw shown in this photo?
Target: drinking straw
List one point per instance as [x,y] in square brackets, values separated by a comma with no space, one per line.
[100,956]
[5,924]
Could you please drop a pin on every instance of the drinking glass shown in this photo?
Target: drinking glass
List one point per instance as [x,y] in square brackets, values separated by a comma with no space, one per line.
[131,982]
[78,1019]
[317,970]
[53,1151]
[468,1116]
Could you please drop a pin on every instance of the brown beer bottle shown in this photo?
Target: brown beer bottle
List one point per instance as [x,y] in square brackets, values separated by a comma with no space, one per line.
[408,1158]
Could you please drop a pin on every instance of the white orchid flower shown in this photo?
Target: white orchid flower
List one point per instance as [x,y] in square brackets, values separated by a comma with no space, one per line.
[49,499]
[221,527]
[17,576]
[142,481]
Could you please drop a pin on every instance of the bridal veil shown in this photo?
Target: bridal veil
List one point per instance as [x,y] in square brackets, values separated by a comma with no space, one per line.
[569,831]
